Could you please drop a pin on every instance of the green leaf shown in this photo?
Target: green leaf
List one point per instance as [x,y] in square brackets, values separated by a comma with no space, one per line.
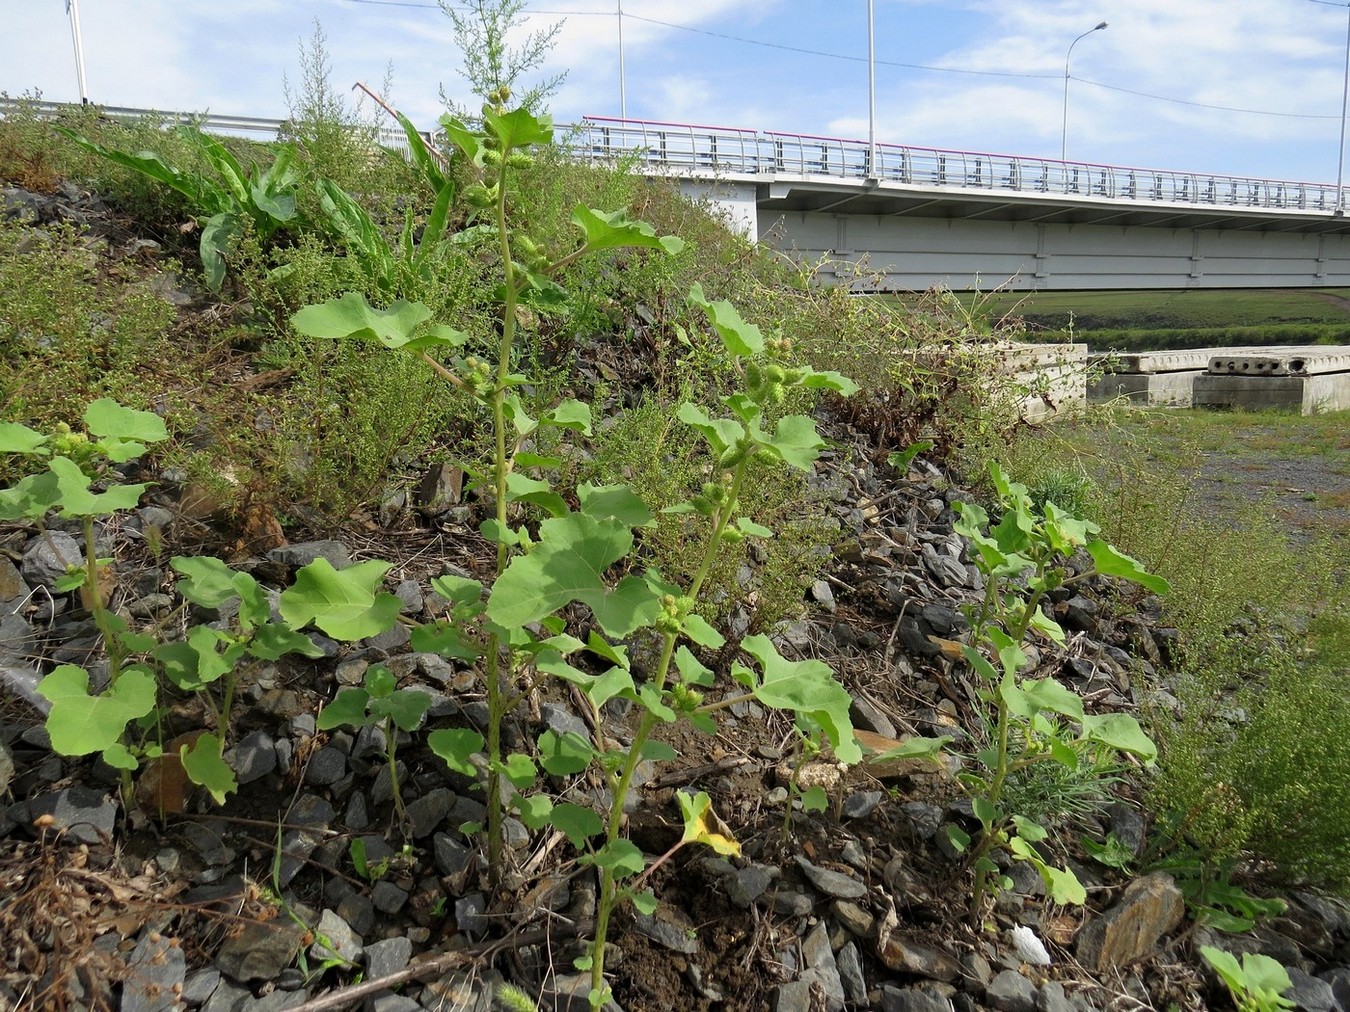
[807,687]
[644,902]
[984,811]
[344,604]
[425,162]
[16,438]
[219,231]
[902,459]
[464,139]
[698,630]
[105,417]
[534,809]
[81,724]
[796,442]
[31,497]
[564,755]
[1062,885]
[748,526]
[577,823]
[1048,694]
[458,589]
[692,671]
[519,488]
[76,500]
[119,757]
[1267,976]
[815,799]
[602,648]
[348,709]
[612,229]
[518,128]
[405,708]
[446,639]
[621,857]
[272,640]
[914,748]
[1047,626]
[651,697]
[1120,731]
[659,751]
[204,766]
[206,581]
[353,317]
[1118,564]
[519,769]
[815,379]
[567,565]
[570,414]
[614,502]
[498,533]
[456,746]
[740,338]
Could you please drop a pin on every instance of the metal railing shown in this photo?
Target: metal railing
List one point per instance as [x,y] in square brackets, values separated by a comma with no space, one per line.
[737,151]
[767,154]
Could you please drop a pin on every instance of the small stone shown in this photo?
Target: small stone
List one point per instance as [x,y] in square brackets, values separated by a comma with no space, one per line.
[823,595]
[861,804]
[924,820]
[198,985]
[335,553]
[1051,998]
[668,928]
[849,961]
[1009,991]
[254,757]
[86,815]
[832,883]
[334,937]
[326,767]
[560,720]
[429,811]
[387,897]
[388,956]
[470,914]
[908,956]
[820,970]
[748,884]
[351,671]
[261,950]
[793,996]
[1309,993]
[452,857]
[1150,907]
[853,918]
[48,558]
[911,999]
[357,910]
[868,716]
[155,970]
[790,903]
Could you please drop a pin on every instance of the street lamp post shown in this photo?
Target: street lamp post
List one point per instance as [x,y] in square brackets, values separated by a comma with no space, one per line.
[1345,96]
[871,95]
[1064,135]
[623,85]
[73,9]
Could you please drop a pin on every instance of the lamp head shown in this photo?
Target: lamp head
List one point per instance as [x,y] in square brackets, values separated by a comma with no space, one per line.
[1100,27]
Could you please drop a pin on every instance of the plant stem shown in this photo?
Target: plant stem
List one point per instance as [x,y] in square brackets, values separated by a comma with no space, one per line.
[391,737]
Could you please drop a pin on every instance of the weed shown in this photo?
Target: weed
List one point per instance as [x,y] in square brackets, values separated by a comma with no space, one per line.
[1256,984]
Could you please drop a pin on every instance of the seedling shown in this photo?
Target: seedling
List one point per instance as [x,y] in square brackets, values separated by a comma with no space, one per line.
[1257,984]
[380,703]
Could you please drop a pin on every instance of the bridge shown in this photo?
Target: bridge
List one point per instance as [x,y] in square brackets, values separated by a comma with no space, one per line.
[897,217]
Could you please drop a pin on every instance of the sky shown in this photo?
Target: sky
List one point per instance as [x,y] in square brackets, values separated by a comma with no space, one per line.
[1239,87]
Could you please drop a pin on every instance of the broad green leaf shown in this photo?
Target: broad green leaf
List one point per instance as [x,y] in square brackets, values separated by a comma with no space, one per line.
[901,459]
[353,317]
[1225,964]
[621,857]
[612,229]
[273,640]
[701,824]
[644,902]
[979,662]
[498,533]
[1062,885]
[650,697]
[464,139]
[105,417]
[119,757]
[1032,832]
[957,837]
[659,751]
[815,799]
[446,639]
[721,433]
[739,337]
[534,809]
[76,500]
[570,414]
[458,589]
[456,746]
[1268,976]
[984,810]
[16,438]
[747,526]
[1118,564]
[519,769]
[692,671]
[436,335]
[518,128]
[1047,626]
[81,724]
[602,648]
[577,823]
[206,581]
[567,565]
[796,442]
[1048,694]
[807,687]
[218,233]
[616,502]
[698,630]
[359,233]
[30,498]
[563,755]
[204,766]
[828,379]
[426,163]
[348,709]
[405,707]
[522,489]
[1120,731]
[343,603]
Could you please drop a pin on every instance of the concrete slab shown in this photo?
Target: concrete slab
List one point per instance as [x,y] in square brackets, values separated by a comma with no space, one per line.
[1313,360]
[1153,390]
[1307,395]
[1177,360]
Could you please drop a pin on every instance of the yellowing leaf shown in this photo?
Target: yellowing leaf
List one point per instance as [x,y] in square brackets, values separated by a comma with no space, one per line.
[701,825]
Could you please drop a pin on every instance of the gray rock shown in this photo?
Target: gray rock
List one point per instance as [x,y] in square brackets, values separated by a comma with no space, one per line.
[86,815]
[821,971]
[452,857]
[861,804]
[849,962]
[198,986]
[298,556]
[1051,998]
[947,570]
[18,639]
[409,592]
[334,938]
[254,757]
[388,956]
[48,557]
[394,638]
[6,768]
[12,586]
[868,716]
[326,767]
[261,950]
[387,897]
[155,973]
[794,996]
[853,918]
[791,903]
[1127,823]
[823,595]
[1009,991]
[832,883]
[908,956]
[1310,993]
[560,720]
[1150,908]
[1339,979]
[229,998]
[370,741]
[925,820]
[387,1001]
[358,910]
[313,814]
[429,811]
[668,928]
[911,999]
[470,915]
[749,883]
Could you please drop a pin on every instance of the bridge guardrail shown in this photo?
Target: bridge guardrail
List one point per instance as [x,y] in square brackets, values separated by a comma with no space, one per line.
[745,151]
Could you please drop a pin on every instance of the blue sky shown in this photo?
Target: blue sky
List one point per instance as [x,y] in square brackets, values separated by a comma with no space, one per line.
[1244,87]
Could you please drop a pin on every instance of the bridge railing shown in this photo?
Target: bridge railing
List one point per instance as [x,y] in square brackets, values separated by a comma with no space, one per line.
[740,151]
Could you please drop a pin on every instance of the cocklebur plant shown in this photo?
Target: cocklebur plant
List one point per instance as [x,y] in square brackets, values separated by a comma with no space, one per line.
[1257,984]
[1023,558]
[380,702]
[527,276]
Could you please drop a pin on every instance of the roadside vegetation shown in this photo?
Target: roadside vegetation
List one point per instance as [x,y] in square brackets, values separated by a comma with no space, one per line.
[632,405]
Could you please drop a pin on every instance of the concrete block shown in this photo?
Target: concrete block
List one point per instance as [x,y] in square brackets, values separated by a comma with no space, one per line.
[1152,390]
[1307,395]
[1314,360]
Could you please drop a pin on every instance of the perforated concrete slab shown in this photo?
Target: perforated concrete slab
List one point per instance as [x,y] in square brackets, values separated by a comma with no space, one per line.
[1305,394]
[1177,360]
[1313,360]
